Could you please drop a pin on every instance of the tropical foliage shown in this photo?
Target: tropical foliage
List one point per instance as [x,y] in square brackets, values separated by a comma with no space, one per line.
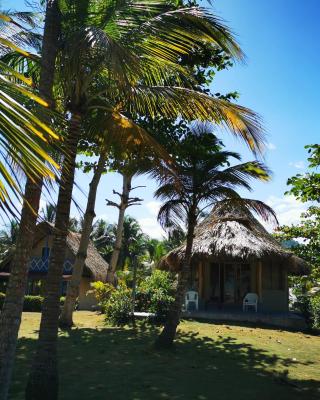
[154,294]
[25,138]
[128,77]
[306,236]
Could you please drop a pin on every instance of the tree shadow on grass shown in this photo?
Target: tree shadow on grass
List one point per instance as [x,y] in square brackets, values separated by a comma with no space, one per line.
[122,364]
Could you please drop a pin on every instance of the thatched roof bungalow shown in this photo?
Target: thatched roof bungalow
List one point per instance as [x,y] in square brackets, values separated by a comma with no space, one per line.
[233,254]
[95,269]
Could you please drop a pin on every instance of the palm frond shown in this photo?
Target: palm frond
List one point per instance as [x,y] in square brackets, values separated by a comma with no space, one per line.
[24,138]
[180,31]
[171,214]
[174,102]
[238,175]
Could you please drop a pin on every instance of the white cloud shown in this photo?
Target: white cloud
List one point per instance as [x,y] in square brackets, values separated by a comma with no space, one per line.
[297,164]
[270,146]
[287,208]
[42,204]
[151,227]
[153,207]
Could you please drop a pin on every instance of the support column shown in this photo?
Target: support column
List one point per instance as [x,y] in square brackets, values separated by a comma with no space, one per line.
[201,281]
[259,280]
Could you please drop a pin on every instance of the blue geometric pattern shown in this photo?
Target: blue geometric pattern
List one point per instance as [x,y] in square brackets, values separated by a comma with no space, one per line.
[38,264]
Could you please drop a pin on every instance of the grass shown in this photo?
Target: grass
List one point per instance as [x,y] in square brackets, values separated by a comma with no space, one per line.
[210,361]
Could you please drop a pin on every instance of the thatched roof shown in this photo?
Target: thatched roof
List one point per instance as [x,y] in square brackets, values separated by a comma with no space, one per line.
[95,266]
[232,234]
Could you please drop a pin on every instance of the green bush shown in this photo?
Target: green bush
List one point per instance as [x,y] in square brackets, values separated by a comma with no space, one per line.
[31,303]
[155,294]
[118,306]
[315,311]
[102,292]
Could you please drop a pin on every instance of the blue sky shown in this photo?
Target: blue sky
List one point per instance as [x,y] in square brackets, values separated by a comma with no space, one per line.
[280,81]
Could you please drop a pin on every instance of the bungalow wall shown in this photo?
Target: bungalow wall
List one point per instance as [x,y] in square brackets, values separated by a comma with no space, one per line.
[87,301]
[268,279]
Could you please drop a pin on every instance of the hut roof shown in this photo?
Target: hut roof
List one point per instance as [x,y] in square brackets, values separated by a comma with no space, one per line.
[95,265]
[232,233]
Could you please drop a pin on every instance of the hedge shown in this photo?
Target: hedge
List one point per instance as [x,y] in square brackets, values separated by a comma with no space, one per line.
[31,303]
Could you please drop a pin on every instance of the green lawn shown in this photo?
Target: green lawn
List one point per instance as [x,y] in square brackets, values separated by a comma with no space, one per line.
[210,361]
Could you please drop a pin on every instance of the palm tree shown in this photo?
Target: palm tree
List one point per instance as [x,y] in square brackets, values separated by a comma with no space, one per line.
[12,309]
[202,181]
[109,49]
[24,136]
[73,286]
[8,237]
[128,164]
[103,234]
[133,241]
[48,213]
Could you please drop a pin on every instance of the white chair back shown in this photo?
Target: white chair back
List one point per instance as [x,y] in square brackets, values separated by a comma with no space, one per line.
[250,300]
[191,297]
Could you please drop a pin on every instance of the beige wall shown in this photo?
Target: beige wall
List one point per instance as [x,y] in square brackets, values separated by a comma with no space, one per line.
[273,296]
[86,301]
[37,250]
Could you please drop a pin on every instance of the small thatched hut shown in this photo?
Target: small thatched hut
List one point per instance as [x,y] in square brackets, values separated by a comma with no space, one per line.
[96,267]
[233,255]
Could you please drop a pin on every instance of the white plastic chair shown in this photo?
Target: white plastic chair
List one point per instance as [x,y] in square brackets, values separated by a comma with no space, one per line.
[250,300]
[192,297]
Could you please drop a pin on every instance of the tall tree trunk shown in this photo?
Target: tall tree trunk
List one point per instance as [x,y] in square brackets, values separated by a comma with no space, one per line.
[166,337]
[66,320]
[124,203]
[43,379]
[10,316]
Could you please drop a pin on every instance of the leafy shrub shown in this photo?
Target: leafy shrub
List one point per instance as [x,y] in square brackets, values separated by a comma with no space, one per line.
[315,310]
[32,303]
[102,292]
[118,306]
[155,294]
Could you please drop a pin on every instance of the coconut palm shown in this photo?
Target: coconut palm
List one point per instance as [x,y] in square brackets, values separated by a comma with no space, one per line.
[203,180]
[128,165]
[126,159]
[8,237]
[23,127]
[74,284]
[24,136]
[103,234]
[109,49]
[48,213]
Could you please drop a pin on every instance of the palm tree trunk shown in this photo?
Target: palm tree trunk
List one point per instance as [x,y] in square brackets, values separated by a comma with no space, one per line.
[73,286]
[10,317]
[166,337]
[126,188]
[43,379]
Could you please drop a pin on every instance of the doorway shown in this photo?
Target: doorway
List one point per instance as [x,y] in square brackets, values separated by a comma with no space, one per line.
[229,282]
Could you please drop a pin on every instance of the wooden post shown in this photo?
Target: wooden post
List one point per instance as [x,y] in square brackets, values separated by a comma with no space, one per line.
[134,285]
[200,272]
[259,280]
